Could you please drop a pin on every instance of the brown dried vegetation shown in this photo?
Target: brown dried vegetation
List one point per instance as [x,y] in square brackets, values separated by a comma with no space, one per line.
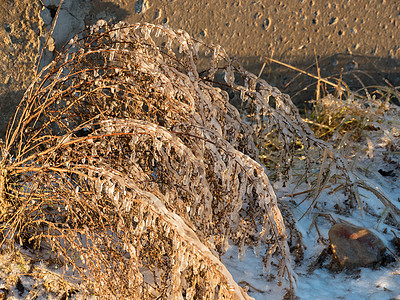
[135,169]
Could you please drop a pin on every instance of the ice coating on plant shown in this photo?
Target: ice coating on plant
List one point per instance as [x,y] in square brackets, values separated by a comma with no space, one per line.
[158,167]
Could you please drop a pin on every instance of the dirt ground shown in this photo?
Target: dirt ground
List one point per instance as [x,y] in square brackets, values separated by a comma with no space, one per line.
[19,45]
[359,39]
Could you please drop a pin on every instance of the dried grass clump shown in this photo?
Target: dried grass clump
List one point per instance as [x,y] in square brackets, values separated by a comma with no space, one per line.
[136,172]
[355,116]
[366,129]
[358,126]
[133,167]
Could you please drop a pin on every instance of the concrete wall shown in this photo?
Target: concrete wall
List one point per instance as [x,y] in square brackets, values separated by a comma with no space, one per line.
[359,39]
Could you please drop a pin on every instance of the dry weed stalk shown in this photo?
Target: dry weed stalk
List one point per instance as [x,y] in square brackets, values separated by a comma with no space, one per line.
[136,172]
[354,123]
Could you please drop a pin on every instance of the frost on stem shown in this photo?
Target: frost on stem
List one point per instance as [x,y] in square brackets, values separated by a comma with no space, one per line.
[144,169]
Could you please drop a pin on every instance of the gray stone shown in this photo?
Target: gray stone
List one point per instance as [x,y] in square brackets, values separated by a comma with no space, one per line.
[355,246]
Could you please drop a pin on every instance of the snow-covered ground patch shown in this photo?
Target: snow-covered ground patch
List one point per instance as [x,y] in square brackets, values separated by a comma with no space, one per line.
[379,282]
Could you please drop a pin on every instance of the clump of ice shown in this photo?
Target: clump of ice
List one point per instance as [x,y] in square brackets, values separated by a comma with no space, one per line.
[70,19]
[141,6]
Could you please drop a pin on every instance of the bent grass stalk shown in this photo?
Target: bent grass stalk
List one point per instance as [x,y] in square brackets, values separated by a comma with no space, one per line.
[121,154]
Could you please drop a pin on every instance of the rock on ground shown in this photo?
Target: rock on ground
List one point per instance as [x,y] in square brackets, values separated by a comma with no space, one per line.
[355,246]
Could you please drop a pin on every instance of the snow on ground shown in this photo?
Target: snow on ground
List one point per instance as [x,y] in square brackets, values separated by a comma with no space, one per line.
[321,285]
[365,283]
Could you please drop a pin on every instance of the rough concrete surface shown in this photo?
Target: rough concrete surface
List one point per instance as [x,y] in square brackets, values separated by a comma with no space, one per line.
[19,46]
[359,39]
